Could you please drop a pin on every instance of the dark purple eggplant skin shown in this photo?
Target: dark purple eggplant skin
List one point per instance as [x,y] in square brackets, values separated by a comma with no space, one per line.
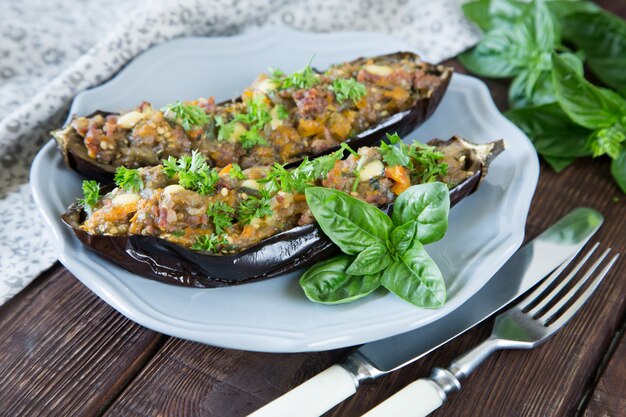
[167,262]
[76,158]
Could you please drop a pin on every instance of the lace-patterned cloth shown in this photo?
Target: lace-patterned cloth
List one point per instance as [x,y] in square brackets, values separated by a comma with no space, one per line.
[52,49]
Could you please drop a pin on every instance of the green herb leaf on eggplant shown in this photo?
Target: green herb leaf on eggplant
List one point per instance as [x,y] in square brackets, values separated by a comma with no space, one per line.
[348,89]
[91,194]
[186,115]
[128,179]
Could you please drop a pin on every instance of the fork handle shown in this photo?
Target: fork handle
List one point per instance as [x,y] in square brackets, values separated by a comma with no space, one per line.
[425,395]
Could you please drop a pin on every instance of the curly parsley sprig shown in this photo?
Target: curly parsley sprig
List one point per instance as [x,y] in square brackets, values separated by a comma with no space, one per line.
[128,179]
[186,115]
[255,207]
[91,194]
[256,117]
[221,214]
[422,160]
[302,177]
[348,89]
[210,243]
[193,172]
[306,78]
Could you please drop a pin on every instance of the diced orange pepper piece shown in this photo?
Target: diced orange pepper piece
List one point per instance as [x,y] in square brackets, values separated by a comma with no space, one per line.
[225,170]
[247,232]
[401,176]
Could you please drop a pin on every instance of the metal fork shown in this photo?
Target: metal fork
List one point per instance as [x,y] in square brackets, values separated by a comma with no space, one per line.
[527,324]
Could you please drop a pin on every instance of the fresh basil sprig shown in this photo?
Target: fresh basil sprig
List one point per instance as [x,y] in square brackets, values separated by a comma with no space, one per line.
[518,41]
[555,137]
[379,250]
[602,36]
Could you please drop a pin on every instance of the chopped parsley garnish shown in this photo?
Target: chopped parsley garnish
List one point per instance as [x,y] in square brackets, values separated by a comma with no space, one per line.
[186,115]
[91,194]
[302,177]
[422,160]
[128,179]
[178,233]
[281,112]
[252,138]
[236,172]
[276,75]
[348,89]
[221,214]
[225,130]
[193,172]
[303,79]
[210,243]
[255,207]
[256,117]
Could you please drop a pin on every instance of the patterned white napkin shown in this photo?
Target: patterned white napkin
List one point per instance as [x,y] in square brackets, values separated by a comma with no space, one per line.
[52,49]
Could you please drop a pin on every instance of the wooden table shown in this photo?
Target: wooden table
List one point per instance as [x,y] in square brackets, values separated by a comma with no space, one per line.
[64,352]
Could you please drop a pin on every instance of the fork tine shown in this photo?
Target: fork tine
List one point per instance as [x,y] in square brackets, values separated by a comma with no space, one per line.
[535,295]
[571,310]
[570,294]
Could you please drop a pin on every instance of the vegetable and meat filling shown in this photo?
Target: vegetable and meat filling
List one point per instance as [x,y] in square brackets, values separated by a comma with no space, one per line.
[280,118]
[227,210]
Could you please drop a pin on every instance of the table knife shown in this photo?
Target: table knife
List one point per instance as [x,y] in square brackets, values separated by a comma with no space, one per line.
[529,265]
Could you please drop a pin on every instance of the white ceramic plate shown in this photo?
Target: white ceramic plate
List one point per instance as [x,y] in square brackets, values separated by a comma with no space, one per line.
[274,315]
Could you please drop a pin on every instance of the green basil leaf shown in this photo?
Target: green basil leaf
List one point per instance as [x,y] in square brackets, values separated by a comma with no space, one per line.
[403,236]
[602,36]
[558,164]
[502,53]
[508,50]
[351,224]
[426,204]
[416,278]
[327,282]
[540,22]
[551,131]
[371,260]
[531,88]
[534,86]
[587,105]
[560,9]
[618,169]
[488,14]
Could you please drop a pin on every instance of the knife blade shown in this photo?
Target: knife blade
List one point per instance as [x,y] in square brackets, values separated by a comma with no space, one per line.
[529,265]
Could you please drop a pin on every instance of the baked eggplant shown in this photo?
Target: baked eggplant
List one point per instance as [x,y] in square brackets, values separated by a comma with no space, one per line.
[279,118]
[155,250]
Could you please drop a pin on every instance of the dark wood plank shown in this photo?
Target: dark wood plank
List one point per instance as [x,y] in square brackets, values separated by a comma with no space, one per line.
[64,352]
[609,396]
[191,379]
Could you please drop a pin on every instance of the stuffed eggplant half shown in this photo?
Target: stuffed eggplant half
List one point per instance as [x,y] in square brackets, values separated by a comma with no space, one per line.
[186,223]
[279,118]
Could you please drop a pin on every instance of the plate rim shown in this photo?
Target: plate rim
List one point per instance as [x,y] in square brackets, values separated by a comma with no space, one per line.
[279,340]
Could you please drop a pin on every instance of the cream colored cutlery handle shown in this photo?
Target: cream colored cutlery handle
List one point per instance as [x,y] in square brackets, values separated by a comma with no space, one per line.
[418,399]
[314,397]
